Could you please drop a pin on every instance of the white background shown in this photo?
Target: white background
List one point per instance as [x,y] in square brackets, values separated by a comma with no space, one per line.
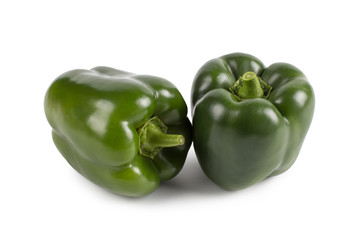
[42,197]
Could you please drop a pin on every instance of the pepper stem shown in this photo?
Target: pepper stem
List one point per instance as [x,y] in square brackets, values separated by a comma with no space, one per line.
[153,138]
[250,86]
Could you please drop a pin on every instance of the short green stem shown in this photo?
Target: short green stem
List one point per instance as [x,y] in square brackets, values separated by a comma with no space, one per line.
[153,138]
[250,86]
[165,140]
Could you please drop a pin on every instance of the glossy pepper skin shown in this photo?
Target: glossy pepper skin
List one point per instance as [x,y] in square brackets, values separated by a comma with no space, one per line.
[124,132]
[242,136]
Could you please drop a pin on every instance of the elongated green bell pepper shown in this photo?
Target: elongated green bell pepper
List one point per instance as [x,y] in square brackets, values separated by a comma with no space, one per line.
[124,132]
[249,121]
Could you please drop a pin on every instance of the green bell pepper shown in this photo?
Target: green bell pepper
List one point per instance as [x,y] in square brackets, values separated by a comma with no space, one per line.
[249,121]
[124,132]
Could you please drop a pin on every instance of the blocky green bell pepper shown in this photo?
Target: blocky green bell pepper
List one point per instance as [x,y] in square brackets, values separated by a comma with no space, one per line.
[249,121]
[124,132]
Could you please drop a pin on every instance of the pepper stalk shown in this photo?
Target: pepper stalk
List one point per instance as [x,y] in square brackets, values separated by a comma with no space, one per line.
[153,138]
[250,86]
